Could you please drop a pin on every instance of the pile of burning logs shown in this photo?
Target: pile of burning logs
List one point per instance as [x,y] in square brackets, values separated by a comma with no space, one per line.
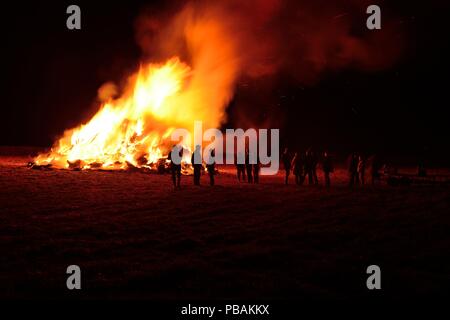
[161,166]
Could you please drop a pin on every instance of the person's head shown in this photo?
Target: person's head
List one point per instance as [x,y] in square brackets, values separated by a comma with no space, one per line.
[325,154]
[286,150]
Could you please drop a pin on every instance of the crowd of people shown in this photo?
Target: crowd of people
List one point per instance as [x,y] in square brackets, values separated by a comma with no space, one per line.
[303,165]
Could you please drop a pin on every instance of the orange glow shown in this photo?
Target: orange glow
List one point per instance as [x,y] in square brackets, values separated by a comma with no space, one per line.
[135,129]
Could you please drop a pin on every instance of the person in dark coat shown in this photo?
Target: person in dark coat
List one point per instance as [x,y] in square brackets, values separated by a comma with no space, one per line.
[256,169]
[196,161]
[298,165]
[211,167]
[240,167]
[361,169]
[308,166]
[374,168]
[248,167]
[353,169]
[286,159]
[314,163]
[327,167]
[175,167]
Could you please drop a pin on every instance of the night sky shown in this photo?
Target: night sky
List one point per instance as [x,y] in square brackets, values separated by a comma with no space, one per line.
[51,76]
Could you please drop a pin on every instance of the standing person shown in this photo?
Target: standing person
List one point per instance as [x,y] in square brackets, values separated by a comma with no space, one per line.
[327,167]
[361,169]
[353,169]
[175,164]
[211,166]
[196,161]
[298,164]
[421,168]
[240,166]
[248,167]
[374,168]
[285,157]
[256,168]
[309,166]
[314,163]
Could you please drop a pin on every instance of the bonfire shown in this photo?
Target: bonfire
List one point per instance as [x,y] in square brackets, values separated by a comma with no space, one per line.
[131,131]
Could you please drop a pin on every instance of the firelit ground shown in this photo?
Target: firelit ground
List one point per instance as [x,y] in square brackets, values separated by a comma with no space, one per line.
[134,236]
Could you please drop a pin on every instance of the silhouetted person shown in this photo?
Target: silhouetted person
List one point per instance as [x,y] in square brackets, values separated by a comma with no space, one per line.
[327,167]
[286,158]
[211,167]
[298,165]
[175,166]
[248,167]
[421,169]
[314,163]
[353,169]
[361,169]
[374,167]
[240,167]
[256,169]
[196,161]
[309,163]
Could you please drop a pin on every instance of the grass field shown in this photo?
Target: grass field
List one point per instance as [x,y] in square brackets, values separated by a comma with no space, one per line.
[133,235]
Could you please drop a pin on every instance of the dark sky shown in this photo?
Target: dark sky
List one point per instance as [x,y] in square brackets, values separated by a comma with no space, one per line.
[51,76]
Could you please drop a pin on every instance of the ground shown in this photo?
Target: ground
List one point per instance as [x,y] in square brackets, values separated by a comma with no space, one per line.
[134,236]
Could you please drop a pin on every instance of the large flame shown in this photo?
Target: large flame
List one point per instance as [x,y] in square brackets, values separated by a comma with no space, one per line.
[133,130]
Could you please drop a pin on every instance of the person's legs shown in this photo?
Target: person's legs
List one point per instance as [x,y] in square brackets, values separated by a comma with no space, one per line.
[249,174]
[178,177]
[196,176]
[173,177]
[242,172]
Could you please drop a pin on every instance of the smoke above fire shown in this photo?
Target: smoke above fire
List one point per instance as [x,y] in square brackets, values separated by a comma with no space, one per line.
[264,40]
[193,56]
[258,38]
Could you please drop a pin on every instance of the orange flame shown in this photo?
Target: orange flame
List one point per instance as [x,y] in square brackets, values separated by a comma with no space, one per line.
[132,130]
[135,129]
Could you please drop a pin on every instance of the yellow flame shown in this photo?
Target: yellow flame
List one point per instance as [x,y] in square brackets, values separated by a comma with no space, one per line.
[132,130]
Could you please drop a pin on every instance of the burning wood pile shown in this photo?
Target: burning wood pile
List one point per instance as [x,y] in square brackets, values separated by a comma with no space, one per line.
[130,132]
[161,165]
[133,126]
[133,131]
